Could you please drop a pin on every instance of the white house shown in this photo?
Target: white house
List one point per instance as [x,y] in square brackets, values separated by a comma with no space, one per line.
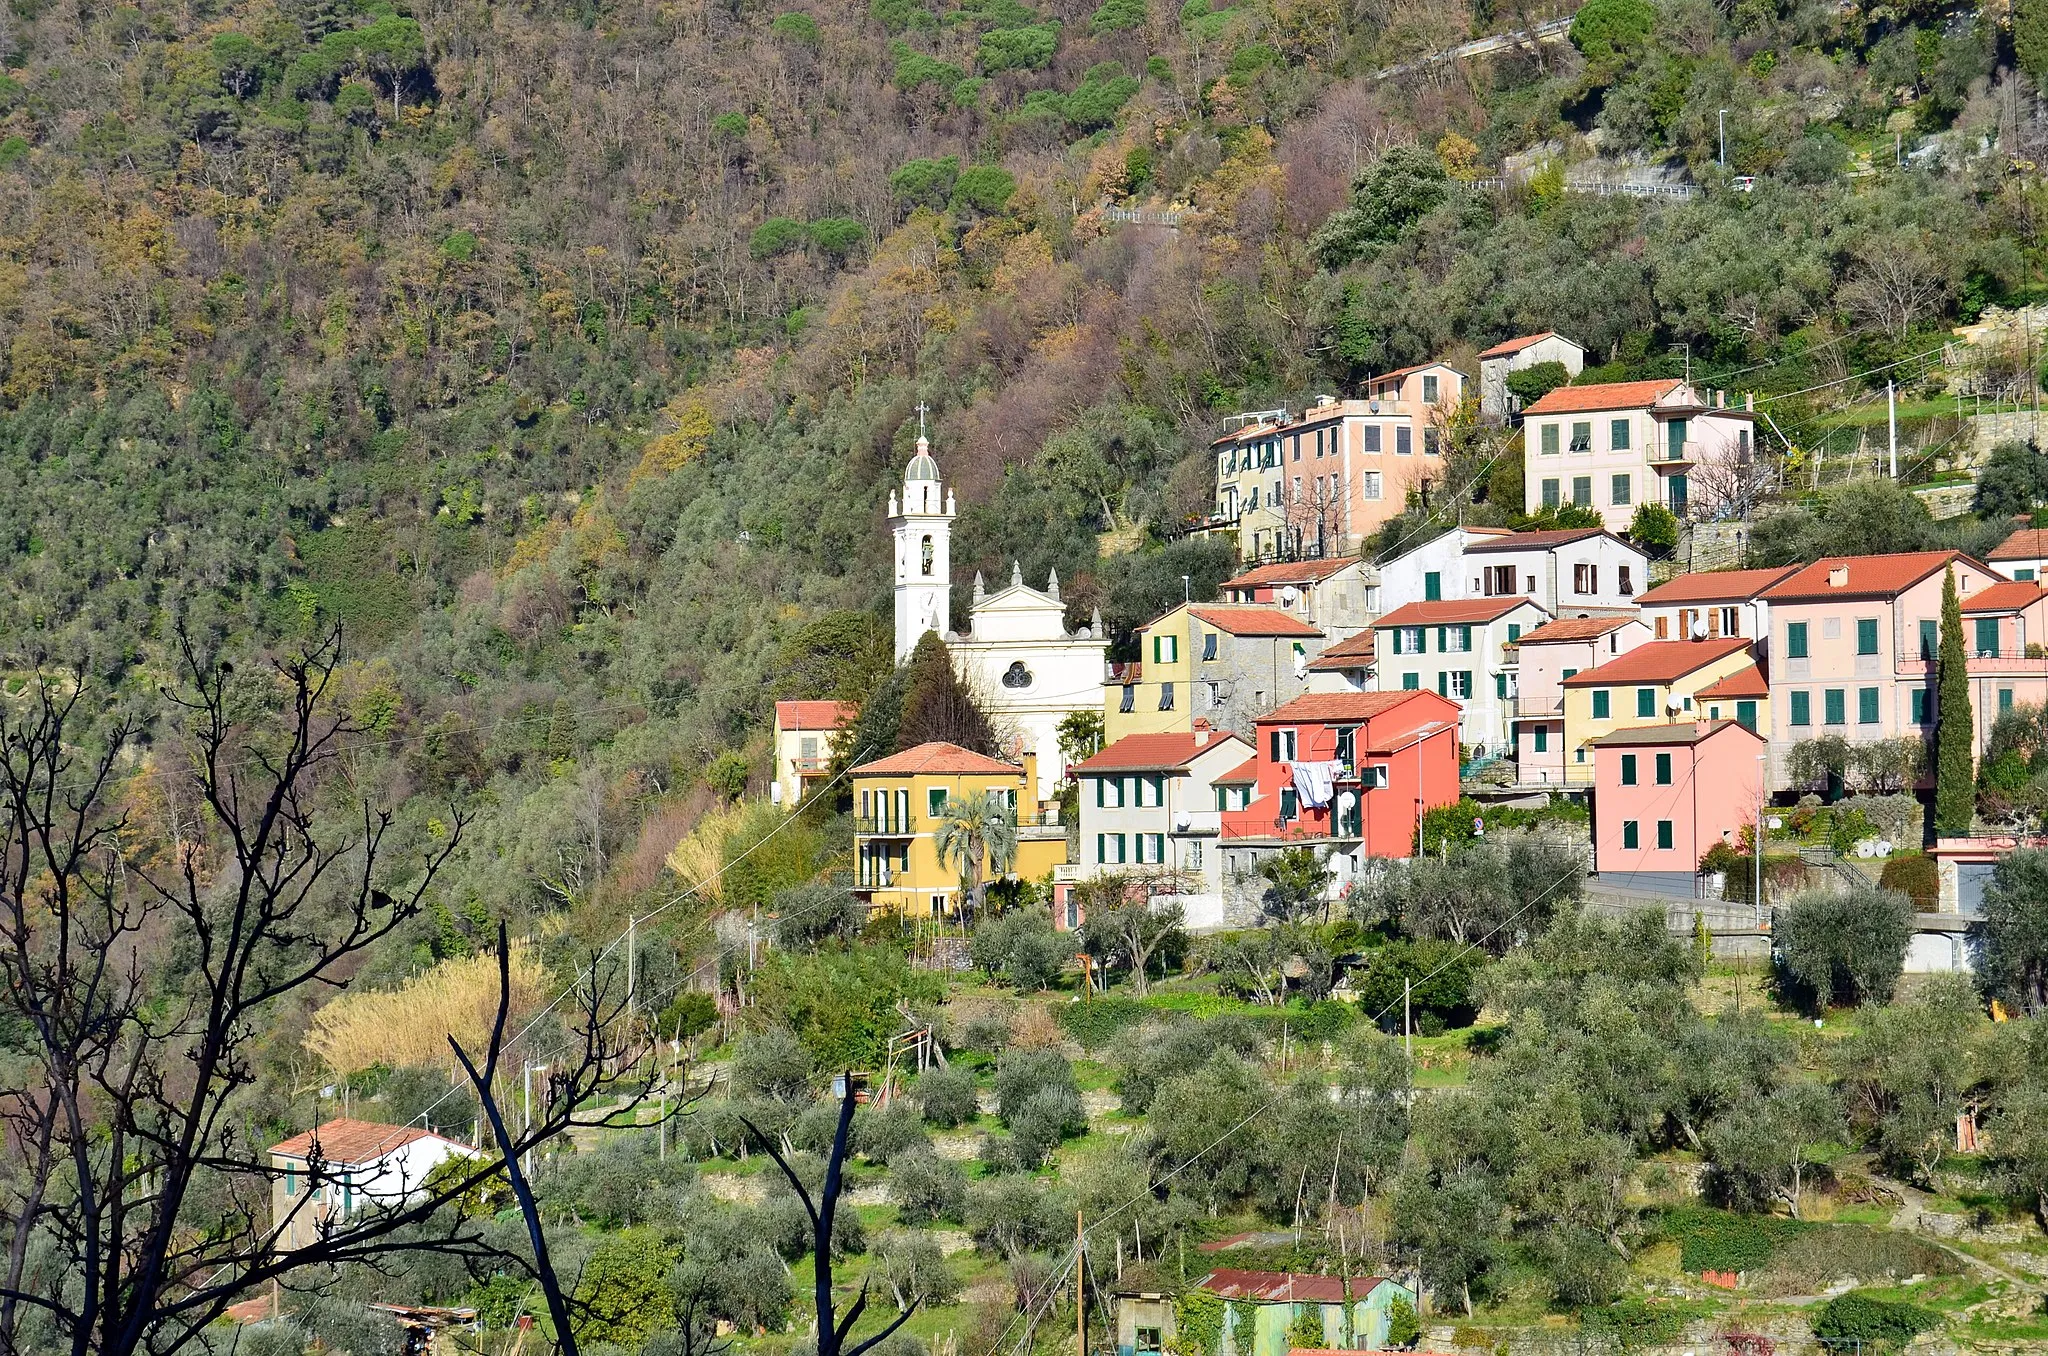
[1432,570]
[342,1167]
[804,731]
[2022,556]
[1515,355]
[1713,604]
[1573,572]
[1460,648]
[1613,446]
[1338,595]
[1150,809]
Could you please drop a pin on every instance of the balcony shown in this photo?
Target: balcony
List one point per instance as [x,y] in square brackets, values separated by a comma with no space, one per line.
[811,767]
[1531,707]
[884,826]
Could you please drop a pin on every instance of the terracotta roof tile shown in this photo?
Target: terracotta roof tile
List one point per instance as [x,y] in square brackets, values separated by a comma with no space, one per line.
[1154,752]
[1535,541]
[1747,682]
[1660,661]
[2010,597]
[1356,652]
[1605,395]
[1252,619]
[1682,732]
[352,1141]
[1452,612]
[1507,348]
[1273,1286]
[1318,706]
[938,759]
[1714,586]
[1407,371]
[2029,543]
[1573,628]
[1243,773]
[1291,572]
[1862,576]
[814,715]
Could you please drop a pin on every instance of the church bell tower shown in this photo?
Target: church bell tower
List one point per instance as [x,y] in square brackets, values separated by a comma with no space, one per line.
[922,523]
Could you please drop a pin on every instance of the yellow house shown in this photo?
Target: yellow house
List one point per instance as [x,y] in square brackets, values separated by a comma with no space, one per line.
[1659,683]
[1228,663]
[898,806]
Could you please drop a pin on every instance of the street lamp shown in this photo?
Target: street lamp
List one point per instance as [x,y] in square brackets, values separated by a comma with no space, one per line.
[1721,117]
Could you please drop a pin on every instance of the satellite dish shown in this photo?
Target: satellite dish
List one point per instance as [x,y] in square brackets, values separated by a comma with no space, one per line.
[1290,595]
[1373,405]
[1673,704]
[1347,799]
[1180,821]
[1699,629]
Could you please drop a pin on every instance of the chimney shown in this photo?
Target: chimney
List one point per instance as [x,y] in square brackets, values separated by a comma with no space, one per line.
[1201,733]
[1838,577]
[1749,401]
[1030,796]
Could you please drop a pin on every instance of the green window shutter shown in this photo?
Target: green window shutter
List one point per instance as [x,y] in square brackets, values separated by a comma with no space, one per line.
[1443,640]
[1866,635]
[1646,701]
[1745,715]
[1443,683]
[1432,587]
[1630,836]
[1155,649]
[1600,703]
[1514,632]
[2004,700]
[1664,834]
[1930,638]
[1628,769]
[1866,706]
[1101,848]
[1500,686]
[1987,635]
[1543,739]
[934,802]
[1795,640]
[1411,682]
[1549,438]
[1465,635]
[1802,708]
[1835,706]
[2024,576]
[1663,769]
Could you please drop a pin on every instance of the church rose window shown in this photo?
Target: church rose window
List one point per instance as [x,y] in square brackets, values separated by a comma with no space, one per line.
[1017,675]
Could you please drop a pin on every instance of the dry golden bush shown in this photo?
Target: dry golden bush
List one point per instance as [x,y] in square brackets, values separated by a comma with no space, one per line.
[410,1025]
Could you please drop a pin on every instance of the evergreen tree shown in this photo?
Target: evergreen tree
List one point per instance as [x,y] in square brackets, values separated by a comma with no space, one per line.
[1954,777]
[937,705]
[2030,36]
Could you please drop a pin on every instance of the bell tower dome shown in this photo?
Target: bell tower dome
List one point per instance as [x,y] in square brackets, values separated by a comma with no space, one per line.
[922,524]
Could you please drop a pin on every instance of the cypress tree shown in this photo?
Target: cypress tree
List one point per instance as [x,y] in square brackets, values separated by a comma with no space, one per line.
[1955,782]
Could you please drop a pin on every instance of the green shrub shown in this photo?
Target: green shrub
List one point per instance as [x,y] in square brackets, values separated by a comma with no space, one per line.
[1117,16]
[1633,1321]
[727,774]
[837,237]
[1861,1320]
[1916,877]
[985,188]
[1530,384]
[796,27]
[1249,61]
[730,125]
[460,246]
[1604,29]
[1715,1240]
[914,69]
[1029,48]
[897,15]
[1095,101]
[1097,1022]
[925,183]
[777,235]
[13,149]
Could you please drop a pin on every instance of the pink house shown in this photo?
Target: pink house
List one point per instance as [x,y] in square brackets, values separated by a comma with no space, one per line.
[1550,654]
[1664,794]
[1612,446]
[1854,639]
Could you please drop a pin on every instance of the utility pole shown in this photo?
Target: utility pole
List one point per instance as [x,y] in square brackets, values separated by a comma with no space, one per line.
[1891,419]
[1721,117]
[1080,1282]
[1407,1026]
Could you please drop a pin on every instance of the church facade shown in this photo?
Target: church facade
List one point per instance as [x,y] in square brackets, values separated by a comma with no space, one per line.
[1017,657]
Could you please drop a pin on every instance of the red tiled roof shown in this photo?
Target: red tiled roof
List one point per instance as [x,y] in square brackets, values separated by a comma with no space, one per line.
[1348,654]
[1291,572]
[1273,1286]
[1865,577]
[1534,541]
[1747,682]
[1713,586]
[1252,619]
[2029,543]
[938,758]
[2008,597]
[1573,628]
[1452,612]
[352,1141]
[1408,371]
[1154,752]
[1680,732]
[1605,395]
[1314,706]
[814,715]
[1660,661]
[1509,347]
[1247,771]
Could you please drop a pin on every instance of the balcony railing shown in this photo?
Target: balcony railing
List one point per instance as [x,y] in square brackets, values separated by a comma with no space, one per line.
[1539,706]
[811,767]
[885,826]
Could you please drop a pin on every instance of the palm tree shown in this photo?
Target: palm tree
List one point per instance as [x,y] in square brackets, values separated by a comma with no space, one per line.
[977,828]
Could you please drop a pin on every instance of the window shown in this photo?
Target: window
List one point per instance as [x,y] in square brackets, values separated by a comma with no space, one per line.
[1549,436]
[1582,491]
[1866,706]
[1514,632]
[1404,441]
[1208,645]
[1454,639]
[1372,437]
[903,807]
[1795,640]
[1410,682]
[1109,849]
[1930,639]
[1369,484]
[1290,805]
[1918,706]
[1585,579]
[1296,440]
[926,552]
[1165,649]
[1630,837]
[1166,696]
[1373,778]
[1626,586]
[1461,685]
[1109,793]
[1600,703]
[1618,491]
[1663,769]
[1130,700]
[1550,493]
[1802,708]
[1835,706]
[1731,621]
[1432,442]
[1646,701]
[1151,848]
[1674,439]
[1628,769]
[1191,856]
[1283,746]
[1152,789]
[1432,587]
[1866,635]
[1664,834]
[291,1180]
[1541,741]
[1347,744]
[1617,435]
[1987,637]
[1498,579]
[1679,493]
[2004,700]
[1745,715]
[1408,640]
[1663,628]
[1429,390]
[1582,436]
[935,801]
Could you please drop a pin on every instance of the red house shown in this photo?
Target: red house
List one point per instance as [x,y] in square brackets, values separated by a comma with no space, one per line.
[1354,770]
